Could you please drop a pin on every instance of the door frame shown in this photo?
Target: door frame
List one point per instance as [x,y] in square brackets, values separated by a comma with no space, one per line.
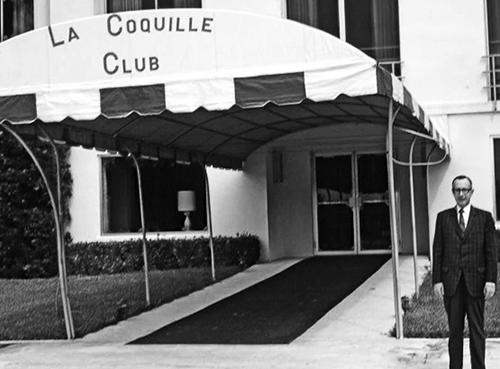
[356,220]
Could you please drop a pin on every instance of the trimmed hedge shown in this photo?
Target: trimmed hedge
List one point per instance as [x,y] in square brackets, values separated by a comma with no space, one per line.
[92,258]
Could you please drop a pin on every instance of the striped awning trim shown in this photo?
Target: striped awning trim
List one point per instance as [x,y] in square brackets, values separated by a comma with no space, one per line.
[145,100]
[248,92]
[280,89]
[18,108]
[387,84]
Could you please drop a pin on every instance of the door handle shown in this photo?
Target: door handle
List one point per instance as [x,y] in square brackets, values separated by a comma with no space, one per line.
[355,201]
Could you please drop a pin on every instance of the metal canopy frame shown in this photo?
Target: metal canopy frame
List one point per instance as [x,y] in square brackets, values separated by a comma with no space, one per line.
[143,228]
[342,110]
[391,160]
[242,105]
[58,220]
[393,220]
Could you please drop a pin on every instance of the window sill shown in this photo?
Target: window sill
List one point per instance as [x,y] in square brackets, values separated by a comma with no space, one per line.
[151,235]
[461,108]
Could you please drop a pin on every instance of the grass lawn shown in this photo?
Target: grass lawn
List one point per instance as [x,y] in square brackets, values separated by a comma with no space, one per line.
[31,308]
[427,317]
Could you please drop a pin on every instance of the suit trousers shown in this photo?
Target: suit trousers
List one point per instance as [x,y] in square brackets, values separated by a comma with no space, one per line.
[457,306]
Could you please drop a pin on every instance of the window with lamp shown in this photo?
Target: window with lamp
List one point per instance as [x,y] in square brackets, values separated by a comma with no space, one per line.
[127,5]
[173,196]
[370,25]
[16,18]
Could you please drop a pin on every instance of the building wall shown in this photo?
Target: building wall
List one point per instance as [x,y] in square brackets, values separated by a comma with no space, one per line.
[472,154]
[290,206]
[61,10]
[280,214]
[402,183]
[239,200]
[85,202]
[41,13]
[442,48]
[443,67]
[54,11]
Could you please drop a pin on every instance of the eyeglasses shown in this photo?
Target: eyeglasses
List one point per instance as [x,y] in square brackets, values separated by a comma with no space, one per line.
[465,191]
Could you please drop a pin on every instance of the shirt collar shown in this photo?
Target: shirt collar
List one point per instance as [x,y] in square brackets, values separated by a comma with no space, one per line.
[466,208]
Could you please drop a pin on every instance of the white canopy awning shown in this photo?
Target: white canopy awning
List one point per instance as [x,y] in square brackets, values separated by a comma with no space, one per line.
[193,84]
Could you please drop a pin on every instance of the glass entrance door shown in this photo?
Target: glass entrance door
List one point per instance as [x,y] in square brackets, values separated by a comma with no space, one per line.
[334,185]
[352,210]
[372,204]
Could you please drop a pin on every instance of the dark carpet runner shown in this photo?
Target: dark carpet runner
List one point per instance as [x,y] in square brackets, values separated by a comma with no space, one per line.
[276,310]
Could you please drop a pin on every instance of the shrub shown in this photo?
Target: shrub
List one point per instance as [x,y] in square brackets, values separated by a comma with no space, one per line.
[92,258]
[27,232]
[497,241]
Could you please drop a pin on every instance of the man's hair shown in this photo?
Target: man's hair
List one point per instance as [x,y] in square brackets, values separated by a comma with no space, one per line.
[462,176]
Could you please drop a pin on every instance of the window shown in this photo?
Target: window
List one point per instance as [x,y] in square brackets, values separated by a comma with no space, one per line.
[493,10]
[373,26]
[370,25]
[16,17]
[322,14]
[496,159]
[161,180]
[124,5]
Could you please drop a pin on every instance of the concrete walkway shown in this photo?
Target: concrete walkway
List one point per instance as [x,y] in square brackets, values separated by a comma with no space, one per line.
[352,335]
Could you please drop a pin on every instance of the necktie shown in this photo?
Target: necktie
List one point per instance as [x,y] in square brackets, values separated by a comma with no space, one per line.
[461,221]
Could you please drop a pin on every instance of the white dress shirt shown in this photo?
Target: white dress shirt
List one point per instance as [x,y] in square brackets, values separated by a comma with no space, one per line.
[466,214]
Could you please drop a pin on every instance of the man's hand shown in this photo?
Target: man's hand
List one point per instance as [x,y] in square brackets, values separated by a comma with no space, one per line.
[439,290]
[489,290]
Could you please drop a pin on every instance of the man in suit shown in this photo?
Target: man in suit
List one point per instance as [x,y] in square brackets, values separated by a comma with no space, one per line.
[464,270]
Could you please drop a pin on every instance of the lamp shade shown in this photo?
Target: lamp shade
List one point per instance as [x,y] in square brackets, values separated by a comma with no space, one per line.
[186,201]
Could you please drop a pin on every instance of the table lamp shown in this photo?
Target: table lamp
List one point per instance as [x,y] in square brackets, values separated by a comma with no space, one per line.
[186,203]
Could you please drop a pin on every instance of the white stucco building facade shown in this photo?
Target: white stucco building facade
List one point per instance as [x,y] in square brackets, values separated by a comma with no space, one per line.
[280,195]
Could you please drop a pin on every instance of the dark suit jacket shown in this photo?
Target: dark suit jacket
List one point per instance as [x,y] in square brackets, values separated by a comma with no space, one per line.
[472,252]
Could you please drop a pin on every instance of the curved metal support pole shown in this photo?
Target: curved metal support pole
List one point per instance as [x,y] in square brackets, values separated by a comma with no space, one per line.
[58,186]
[59,204]
[430,242]
[209,221]
[416,133]
[1,17]
[58,166]
[413,217]
[427,164]
[393,222]
[143,226]
[68,320]
[411,165]
[424,164]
